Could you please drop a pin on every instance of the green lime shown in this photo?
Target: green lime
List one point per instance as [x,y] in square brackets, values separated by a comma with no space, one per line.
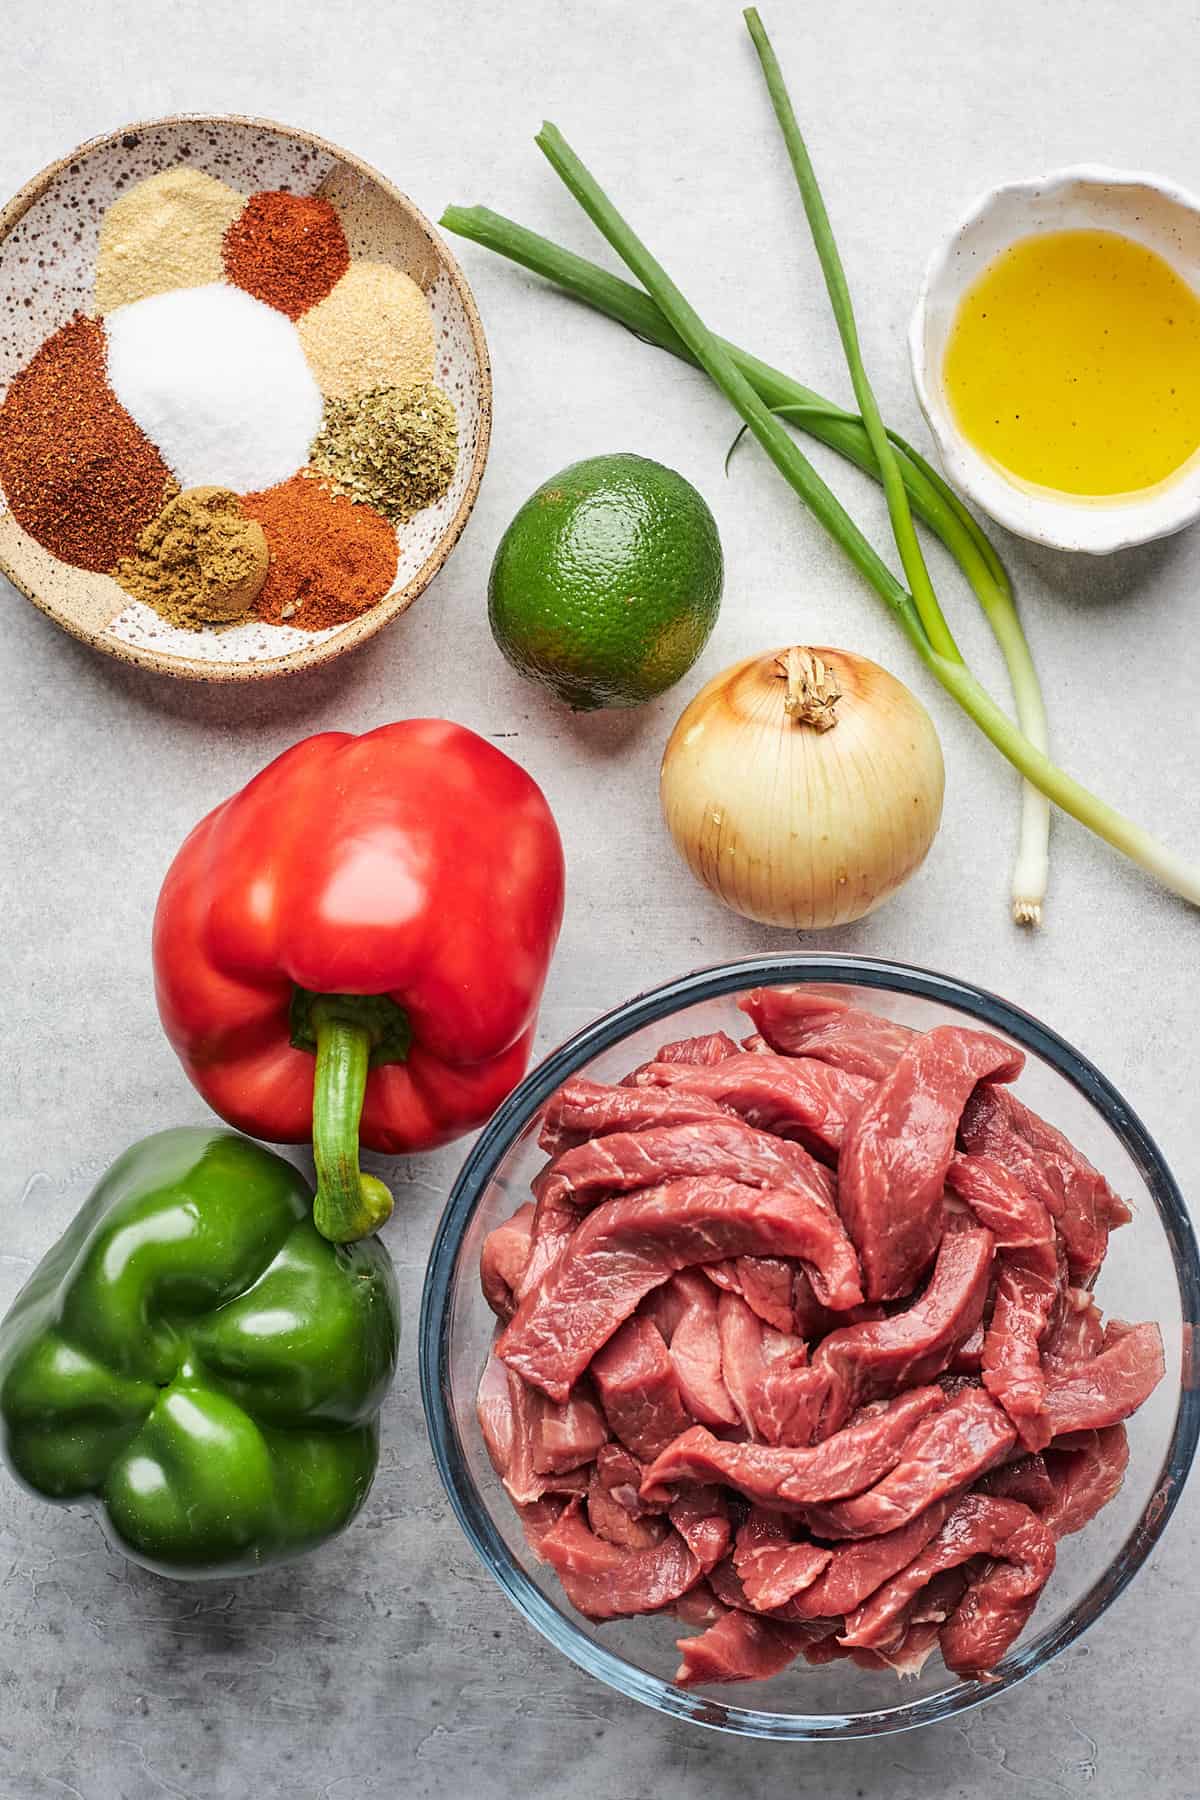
[606,585]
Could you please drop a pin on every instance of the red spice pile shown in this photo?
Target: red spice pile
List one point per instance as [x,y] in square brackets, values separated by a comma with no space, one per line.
[288,250]
[78,473]
[330,558]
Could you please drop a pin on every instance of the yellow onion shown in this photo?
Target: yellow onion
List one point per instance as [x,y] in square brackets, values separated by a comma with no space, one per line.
[803,786]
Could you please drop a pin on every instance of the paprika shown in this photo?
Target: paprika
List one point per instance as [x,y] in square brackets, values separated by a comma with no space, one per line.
[331,558]
[288,250]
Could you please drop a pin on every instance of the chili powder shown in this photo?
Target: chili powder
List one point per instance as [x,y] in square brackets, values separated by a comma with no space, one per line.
[78,473]
[330,557]
[288,250]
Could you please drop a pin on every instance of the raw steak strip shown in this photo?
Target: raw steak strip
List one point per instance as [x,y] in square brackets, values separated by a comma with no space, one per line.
[856,1570]
[796,1098]
[844,1464]
[588,1109]
[638,1389]
[1027,1287]
[566,1433]
[806,1021]
[510,1419]
[1085,1478]
[626,1247]
[609,1519]
[895,1154]
[771,1567]
[996,1124]
[944,1454]
[1087,1396]
[624,1161]
[1027,1479]
[996,1605]
[685,1311]
[1078,1332]
[1015,1217]
[749,1350]
[701,1517]
[701,1052]
[912,1346]
[738,1647]
[503,1259]
[607,1581]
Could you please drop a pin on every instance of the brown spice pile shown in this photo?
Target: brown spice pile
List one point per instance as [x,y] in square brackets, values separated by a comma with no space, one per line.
[200,562]
[79,475]
[288,250]
[330,558]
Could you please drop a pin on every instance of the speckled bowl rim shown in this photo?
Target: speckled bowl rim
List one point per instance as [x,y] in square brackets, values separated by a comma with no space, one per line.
[1092,529]
[307,656]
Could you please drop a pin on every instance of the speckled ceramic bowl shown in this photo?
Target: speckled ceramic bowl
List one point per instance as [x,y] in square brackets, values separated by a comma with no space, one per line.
[1145,208]
[48,239]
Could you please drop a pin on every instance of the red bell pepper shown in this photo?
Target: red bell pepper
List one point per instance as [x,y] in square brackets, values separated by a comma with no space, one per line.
[356,944]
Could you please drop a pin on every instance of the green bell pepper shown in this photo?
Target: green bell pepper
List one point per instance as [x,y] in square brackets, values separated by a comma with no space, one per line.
[195,1361]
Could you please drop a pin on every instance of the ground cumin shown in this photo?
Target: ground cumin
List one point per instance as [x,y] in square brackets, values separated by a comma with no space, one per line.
[200,562]
[79,475]
[330,558]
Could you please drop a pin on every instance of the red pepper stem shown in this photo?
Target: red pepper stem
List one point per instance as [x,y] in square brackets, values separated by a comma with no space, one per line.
[349,1205]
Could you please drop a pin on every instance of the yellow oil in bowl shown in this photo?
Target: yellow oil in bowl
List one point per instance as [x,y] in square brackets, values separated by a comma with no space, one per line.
[1074,363]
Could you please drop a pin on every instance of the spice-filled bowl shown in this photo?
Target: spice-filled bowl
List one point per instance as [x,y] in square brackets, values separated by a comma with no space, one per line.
[1055,350]
[246,397]
[1151,1273]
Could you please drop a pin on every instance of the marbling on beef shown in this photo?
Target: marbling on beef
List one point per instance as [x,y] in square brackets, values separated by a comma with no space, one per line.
[695,1411]
[625,1247]
[898,1146]
[809,1021]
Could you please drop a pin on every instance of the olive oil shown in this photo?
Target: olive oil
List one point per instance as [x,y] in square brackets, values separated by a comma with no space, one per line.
[1074,363]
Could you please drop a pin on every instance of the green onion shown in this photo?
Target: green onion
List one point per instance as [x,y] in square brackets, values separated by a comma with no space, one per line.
[933,500]
[958,681]
[1029,880]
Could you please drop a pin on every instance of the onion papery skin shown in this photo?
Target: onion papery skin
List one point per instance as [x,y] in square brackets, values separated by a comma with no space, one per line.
[796,827]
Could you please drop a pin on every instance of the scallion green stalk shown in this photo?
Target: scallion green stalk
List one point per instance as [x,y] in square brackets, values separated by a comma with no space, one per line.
[843,432]
[787,456]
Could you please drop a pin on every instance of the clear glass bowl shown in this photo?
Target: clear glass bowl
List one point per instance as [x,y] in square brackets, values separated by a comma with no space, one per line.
[1152,1272]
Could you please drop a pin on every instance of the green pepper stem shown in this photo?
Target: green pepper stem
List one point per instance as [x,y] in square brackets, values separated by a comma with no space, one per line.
[349,1205]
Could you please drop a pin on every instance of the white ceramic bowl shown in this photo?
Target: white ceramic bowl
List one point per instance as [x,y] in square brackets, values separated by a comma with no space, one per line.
[1145,208]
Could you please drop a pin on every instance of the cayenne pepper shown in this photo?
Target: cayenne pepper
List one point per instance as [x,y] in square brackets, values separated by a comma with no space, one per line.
[80,476]
[331,557]
[288,250]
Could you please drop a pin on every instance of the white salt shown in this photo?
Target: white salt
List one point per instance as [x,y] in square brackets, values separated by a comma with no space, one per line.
[218,382]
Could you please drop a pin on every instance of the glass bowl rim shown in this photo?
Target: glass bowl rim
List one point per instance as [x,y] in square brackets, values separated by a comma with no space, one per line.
[496,1140]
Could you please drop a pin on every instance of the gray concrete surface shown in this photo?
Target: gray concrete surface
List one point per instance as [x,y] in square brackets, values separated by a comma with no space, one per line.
[390,1664]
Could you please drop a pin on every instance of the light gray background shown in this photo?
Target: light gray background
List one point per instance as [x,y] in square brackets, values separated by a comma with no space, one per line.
[389,1663]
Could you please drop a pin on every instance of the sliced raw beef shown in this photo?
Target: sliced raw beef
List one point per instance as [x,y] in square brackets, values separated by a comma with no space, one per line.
[897,1149]
[749,1352]
[771,1566]
[1087,1396]
[786,1401]
[699,1607]
[1015,1217]
[738,1647]
[587,1109]
[685,1311]
[996,1124]
[997,1603]
[910,1347]
[701,1517]
[843,1464]
[855,1571]
[510,1417]
[609,1519]
[1077,1333]
[806,1021]
[639,1390]
[503,1259]
[1027,1289]
[944,1454]
[1084,1478]
[766,1283]
[567,1433]
[1027,1480]
[626,1247]
[700,1052]
[801,1099]
[607,1581]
